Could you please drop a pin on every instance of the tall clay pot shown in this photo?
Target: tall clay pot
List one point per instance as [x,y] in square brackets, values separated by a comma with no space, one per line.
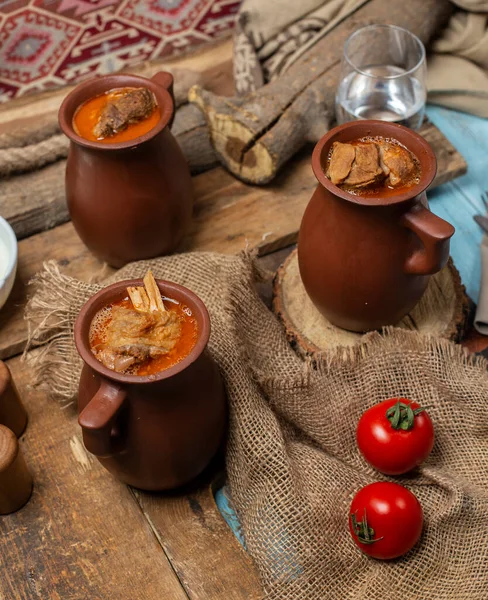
[154,432]
[365,261]
[128,200]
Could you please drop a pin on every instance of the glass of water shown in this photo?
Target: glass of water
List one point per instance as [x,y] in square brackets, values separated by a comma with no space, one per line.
[382,77]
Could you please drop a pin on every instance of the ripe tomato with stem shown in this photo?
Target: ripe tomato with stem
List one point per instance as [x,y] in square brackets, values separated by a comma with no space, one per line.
[395,436]
[385,520]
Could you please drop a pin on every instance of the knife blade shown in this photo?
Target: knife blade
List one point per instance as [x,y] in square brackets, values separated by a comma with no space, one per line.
[482,222]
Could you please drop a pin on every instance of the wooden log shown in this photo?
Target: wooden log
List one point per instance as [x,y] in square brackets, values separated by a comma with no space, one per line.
[256,134]
[82,535]
[441,312]
[229,216]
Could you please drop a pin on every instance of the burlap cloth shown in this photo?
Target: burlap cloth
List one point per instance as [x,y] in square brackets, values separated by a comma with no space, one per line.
[292,462]
[271,36]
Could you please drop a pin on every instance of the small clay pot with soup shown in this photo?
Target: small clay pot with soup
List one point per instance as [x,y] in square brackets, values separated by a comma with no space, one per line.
[128,186]
[156,422]
[368,241]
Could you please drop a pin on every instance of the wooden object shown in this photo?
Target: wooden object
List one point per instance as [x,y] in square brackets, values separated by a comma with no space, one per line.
[228,216]
[12,412]
[441,312]
[15,479]
[255,135]
[194,534]
[29,213]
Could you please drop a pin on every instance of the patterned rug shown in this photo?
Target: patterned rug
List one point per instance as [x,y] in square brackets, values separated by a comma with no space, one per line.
[50,43]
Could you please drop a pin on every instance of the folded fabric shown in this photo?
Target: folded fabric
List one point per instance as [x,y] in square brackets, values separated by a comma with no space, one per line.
[457,74]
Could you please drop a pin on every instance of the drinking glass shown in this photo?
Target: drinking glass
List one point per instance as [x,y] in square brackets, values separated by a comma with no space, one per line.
[382,77]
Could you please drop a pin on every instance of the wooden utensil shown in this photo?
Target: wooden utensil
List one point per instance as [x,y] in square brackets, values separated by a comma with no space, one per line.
[12,412]
[15,479]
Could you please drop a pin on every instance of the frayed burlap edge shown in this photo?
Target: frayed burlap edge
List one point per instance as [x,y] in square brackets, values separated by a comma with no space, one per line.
[50,314]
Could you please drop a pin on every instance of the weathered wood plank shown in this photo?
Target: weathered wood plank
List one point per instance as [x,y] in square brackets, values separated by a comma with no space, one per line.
[208,559]
[229,216]
[81,535]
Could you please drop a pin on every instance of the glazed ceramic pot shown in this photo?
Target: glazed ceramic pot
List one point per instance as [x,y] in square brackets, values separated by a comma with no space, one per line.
[365,261]
[128,200]
[154,432]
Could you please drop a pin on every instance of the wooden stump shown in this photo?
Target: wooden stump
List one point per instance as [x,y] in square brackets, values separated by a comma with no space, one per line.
[441,312]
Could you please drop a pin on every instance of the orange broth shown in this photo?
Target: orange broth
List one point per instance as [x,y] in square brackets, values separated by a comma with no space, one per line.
[152,366]
[87,114]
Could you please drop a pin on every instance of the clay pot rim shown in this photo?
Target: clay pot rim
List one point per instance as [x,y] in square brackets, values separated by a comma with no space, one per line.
[106,295]
[373,128]
[99,85]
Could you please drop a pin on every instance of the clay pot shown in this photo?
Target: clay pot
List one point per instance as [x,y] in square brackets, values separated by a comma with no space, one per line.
[365,261]
[129,200]
[159,431]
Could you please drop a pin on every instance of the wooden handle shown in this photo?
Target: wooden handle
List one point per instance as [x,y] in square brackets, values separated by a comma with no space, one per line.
[15,479]
[12,412]
[165,80]
[98,420]
[434,233]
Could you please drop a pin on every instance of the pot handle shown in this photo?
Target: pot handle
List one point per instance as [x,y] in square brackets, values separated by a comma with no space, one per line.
[165,80]
[98,418]
[434,233]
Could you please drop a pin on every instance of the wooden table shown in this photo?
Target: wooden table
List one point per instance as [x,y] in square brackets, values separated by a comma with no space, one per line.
[83,535]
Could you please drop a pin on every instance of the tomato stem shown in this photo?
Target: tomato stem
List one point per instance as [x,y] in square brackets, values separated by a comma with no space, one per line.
[363,531]
[402,416]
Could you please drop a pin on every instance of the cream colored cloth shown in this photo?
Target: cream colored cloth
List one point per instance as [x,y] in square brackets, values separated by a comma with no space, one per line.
[458,69]
[271,35]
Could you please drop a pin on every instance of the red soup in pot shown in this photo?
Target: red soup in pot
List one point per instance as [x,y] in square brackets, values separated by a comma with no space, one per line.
[137,336]
[118,115]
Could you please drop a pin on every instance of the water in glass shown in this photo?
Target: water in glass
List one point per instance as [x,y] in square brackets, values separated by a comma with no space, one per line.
[379,92]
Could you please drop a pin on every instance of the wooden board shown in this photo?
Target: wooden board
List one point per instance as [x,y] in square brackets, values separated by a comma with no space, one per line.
[193,533]
[441,312]
[229,216]
[30,213]
[81,535]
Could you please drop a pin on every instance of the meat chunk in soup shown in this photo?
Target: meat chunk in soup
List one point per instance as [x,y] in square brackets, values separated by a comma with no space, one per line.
[366,168]
[396,162]
[340,164]
[134,334]
[133,337]
[132,106]
[366,164]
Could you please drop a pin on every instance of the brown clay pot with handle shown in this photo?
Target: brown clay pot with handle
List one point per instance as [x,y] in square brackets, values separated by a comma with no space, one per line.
[128,200]
[154,432]
[365,261]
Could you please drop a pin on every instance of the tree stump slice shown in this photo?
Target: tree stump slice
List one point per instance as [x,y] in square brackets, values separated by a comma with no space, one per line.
[441,312]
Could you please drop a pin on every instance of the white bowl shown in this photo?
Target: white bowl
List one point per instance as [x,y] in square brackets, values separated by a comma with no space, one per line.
[8,260]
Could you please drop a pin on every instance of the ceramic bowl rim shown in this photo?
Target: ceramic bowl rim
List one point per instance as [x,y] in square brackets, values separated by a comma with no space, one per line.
[103,297]
[98,85]
[12,247]
[428,172]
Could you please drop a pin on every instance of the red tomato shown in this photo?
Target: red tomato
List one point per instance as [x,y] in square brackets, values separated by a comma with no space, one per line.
[385,520]
[394,437]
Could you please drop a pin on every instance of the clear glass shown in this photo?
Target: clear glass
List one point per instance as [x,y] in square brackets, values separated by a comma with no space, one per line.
[382,77]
